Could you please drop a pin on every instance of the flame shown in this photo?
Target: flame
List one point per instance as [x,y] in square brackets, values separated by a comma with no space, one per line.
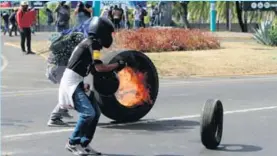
[132,89]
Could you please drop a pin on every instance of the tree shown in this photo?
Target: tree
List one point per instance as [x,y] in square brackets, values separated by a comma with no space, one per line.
[184,5]
[180,12]
[243,26]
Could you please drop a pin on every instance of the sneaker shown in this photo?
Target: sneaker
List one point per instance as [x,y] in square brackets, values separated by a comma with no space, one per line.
[56,123]
[91,151]
[76,149]
[66,114]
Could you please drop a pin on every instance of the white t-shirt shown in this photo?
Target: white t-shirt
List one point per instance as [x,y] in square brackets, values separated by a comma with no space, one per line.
[137,14]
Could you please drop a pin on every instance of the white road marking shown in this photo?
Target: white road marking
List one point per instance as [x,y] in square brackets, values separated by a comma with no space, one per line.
[14,136]
[5,62]
[11,44]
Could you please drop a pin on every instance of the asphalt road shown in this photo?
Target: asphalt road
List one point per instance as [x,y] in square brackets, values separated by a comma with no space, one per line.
[170,129]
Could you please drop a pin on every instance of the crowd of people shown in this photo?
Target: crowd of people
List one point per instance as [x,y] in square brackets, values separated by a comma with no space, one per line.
[121,17]
[22,19]
[10,22]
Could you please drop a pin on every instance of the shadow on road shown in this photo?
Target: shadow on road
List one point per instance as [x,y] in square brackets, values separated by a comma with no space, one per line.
[166,125]
[238,148]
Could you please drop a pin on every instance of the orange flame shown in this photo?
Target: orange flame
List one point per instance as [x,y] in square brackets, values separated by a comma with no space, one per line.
[132,89]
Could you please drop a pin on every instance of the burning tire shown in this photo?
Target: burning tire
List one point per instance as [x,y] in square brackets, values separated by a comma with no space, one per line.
[138,89]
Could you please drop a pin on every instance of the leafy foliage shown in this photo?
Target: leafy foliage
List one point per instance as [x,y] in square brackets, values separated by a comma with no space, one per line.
[165,39]
[273,36]
[261,34]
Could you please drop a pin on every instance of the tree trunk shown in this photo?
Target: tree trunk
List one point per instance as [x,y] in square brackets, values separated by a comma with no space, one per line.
[185,15]
[166,11]
[245,15]
[227,16]
[239,16]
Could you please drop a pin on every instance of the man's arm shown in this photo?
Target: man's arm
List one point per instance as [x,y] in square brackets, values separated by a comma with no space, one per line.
[18,17]
[76,11]
[106,68]
[88,8]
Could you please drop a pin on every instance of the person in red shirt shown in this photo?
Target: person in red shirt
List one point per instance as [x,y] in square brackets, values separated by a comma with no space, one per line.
[25,19]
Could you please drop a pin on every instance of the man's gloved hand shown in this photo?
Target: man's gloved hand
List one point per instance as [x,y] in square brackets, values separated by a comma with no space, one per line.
[93,69]
[121,64]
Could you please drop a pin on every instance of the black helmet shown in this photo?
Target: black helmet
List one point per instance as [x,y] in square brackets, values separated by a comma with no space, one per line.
[102,28]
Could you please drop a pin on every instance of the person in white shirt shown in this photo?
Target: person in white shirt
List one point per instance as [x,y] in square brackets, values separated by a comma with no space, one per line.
[137,14]
[71,91]
[105,12]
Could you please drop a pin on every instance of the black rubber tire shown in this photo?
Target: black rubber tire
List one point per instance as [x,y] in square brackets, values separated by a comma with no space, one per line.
[110,106]
[211,127]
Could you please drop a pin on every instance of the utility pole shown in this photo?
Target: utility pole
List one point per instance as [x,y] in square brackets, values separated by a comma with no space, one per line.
[212,16]
[96,8]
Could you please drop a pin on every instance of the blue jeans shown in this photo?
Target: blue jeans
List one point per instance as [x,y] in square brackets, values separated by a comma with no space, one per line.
[136,24]
[89,114]
[6,27]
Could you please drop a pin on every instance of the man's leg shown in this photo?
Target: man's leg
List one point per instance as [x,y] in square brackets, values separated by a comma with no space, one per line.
[56,117]
[6,28]
[91,128]
[15,29]
[54,73]
[28,37]
[11,30]
[22,40]
[86,116]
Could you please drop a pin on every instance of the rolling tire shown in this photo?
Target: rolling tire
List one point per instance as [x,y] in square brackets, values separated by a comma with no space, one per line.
[111,107]
[211,127]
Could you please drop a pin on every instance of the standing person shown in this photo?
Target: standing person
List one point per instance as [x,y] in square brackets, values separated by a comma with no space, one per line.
[50,18]
[71,91]
[83,12]
[63,16]
[117,16]
[126,18]
[137,14]
[122,20]
[143,13]
[5,17]
[12,20]
[56,65]
[25,20]
[105,12]
[152,15]
[156,16]
[111,13]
